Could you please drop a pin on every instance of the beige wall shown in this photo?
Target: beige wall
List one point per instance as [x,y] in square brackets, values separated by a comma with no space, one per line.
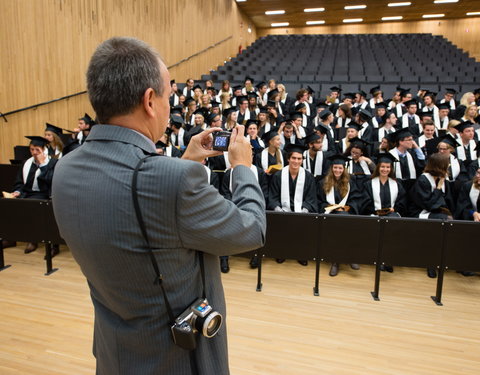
[465,33]
[46,45]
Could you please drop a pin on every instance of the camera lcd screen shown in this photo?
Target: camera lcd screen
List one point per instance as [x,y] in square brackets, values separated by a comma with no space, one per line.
[202,307]
[221,141]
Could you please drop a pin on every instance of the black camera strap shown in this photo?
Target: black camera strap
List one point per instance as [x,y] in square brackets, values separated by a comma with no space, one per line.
[159,277]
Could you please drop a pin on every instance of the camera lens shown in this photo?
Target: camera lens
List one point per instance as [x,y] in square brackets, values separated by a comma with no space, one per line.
[209,325]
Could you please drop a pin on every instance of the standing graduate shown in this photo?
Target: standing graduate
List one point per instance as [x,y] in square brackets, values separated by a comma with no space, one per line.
[336,195]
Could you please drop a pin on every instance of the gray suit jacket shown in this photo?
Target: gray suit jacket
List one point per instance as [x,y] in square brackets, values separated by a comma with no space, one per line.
[94,210]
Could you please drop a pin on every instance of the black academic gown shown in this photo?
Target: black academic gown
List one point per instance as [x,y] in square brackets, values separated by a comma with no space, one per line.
[197,129]
[368,205]
[272,159]
[309,200]
[472,169]
[358,176]
[44,181]
[423,198]
[464,208]
[262,181]
[353,200]
[313,162]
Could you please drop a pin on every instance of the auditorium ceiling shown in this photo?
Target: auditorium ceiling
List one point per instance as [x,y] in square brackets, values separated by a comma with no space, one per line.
[372,11]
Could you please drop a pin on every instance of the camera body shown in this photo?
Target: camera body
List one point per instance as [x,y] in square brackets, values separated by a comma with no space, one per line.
[221,140]
[198,317]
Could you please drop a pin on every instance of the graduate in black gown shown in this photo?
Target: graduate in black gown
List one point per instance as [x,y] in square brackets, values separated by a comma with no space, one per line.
[315,160]
[359,165]
[34,179]
[293,189]
[336,195]
[272,154]
[468,202]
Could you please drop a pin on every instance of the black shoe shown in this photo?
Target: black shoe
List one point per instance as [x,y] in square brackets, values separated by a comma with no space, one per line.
[389,268]
[467,273]
[432,273]
[55,251]
[382,267]
[6,243]
[254,262]
[224,267]
[279,260]
[333,270]
[30,247]
[303,262]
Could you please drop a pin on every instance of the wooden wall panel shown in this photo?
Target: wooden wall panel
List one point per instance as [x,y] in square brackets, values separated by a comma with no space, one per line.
[462,32]
[46,46]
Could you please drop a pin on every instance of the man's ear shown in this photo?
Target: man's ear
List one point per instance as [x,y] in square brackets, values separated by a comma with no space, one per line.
[148,102]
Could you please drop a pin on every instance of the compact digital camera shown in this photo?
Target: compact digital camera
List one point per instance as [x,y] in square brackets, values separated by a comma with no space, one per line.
[199,317]
[221,140]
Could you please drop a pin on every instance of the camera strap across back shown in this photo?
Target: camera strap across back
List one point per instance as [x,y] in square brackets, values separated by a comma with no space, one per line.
[159,277]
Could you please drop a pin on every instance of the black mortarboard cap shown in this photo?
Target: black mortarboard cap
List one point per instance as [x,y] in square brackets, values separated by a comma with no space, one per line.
[374,90]
[201,111]
[197,86]
[401,134]
[451,91]
[335,89]
[295,147]
[365,113]
[386,158]
[359,142]
[271,103]
[324,114]
[172,81]
[476,91]
[321,128]
[176,109]
[251,121]
[251,94]
[312,137]
[263,110]
[296,115]
[272,93]
[160,144]
[410,102]
[448,139]
[53,128]
[464,125]
[188,101]
[236,88]
[241,99]
[381,105]
[431,94]
[227,111]
[210,117]
[362,93]
[176,119]
[260,84]
[37,141]
[423,114]
[214,103]
[349,95]
[88,120]
[269,135]
[444,106]
[404,92]
[354,125]
[247,78]
[338,159]
[300,106]
[310,90]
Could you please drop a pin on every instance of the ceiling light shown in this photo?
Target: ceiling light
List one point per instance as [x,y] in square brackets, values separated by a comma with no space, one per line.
[445,1]
[399,4]
[350,7]
[314,10]
[393,18]
[350,20]
[279,24]
[473,14]
[272,12]
[241,1]
[315,22]
[433,15]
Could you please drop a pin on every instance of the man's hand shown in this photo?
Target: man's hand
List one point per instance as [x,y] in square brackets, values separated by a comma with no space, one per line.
[15,194]
[200,146]
[240,149]
[40,158]
[476,216]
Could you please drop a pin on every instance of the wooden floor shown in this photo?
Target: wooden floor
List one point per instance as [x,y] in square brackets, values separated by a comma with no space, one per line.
[46,321]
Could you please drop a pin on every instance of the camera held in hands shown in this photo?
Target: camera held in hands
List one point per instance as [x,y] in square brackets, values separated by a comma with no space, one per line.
[199,317]
[221,140]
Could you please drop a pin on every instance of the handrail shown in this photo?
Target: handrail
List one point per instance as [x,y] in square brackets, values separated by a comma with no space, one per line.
[4,115]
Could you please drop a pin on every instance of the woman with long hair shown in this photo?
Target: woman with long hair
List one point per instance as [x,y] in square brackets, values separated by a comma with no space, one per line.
[272,154]
[55,146]
[344,116]
[336,195]
[225,99]
[467,99]
[468,203]
[230,115]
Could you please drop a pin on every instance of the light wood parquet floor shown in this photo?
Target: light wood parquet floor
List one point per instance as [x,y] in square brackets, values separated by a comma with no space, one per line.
[46,321]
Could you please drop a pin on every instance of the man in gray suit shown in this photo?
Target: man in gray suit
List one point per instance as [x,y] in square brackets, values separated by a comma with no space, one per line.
[128,86]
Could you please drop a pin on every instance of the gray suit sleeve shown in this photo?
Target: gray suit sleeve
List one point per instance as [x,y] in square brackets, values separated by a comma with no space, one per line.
[208,222]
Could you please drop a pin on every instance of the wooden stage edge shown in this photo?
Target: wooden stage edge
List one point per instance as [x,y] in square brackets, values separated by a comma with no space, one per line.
[46,322]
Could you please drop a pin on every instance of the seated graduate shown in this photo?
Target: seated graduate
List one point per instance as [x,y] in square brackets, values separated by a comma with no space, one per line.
[164,147]
[468,202]
[34,179]
[410,120]
[410,159]
[293,188]
[272,154]
[431,195]
[200,125]
[466,151]
[380,115]
[84,125]
[351,133]
[364,118]
[177,136]
[359,165]
[428,135]
[343,116]
[385,128]
[443,117]
[288,134]
[230,115]
[315,160]
[382,195]
[55,143]
[306,123]
[337,196]
[264,124]
[475,164]
[252,135]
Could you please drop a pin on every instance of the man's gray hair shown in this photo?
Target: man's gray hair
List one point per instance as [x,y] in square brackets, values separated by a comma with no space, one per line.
[119,73]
